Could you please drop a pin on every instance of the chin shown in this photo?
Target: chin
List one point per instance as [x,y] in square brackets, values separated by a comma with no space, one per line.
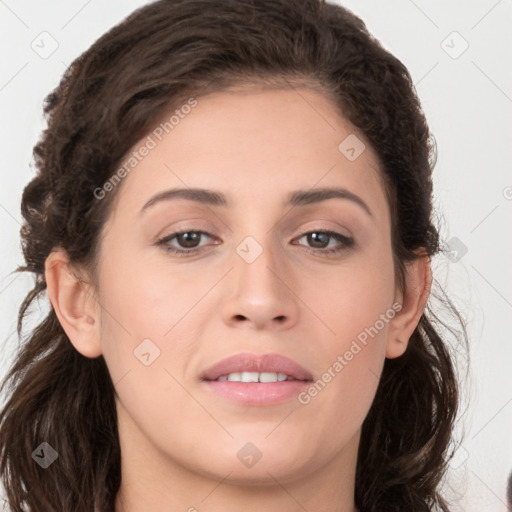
[265,473]
[257,463]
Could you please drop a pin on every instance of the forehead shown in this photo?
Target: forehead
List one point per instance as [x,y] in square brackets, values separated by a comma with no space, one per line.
[253,144]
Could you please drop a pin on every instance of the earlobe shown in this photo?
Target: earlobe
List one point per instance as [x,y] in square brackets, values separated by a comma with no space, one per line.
[418,283]
[73,303]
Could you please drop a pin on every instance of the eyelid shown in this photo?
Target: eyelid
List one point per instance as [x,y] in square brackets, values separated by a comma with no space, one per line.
[313,226]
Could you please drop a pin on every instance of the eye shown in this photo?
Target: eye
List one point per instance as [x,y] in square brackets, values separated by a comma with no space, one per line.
[189,242]
[321,239]
[188,239]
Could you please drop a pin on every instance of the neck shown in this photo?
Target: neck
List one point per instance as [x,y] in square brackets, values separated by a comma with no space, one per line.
[194,495]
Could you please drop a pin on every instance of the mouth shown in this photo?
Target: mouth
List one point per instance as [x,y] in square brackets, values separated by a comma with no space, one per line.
[258,380]
[247,367]
[254,377]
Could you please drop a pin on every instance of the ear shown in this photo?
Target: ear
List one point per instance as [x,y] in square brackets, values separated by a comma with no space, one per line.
[418,281]
[74,304]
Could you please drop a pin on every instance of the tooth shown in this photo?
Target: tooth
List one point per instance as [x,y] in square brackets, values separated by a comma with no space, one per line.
[255,377]
[250,376]
[268,377]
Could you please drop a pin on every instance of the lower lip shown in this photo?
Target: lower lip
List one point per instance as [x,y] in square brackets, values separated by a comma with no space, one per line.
[258,393]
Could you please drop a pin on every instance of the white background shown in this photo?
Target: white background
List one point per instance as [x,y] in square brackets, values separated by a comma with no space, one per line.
[467,99]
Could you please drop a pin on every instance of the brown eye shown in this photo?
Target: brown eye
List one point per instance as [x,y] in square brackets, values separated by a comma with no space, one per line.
[319,241]
[188,241]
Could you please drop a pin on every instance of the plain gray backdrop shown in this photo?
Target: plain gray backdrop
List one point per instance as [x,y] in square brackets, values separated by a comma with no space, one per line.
[459,55]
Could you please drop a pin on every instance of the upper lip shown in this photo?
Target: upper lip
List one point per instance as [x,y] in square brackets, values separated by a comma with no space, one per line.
[247,362]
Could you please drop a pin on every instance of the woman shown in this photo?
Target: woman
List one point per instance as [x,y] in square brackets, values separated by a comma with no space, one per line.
[232,220]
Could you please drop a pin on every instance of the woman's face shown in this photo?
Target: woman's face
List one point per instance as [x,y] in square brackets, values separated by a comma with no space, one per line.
[260,278]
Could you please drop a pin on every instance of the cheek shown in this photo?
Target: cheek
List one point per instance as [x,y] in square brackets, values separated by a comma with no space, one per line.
[343,393]
[140,302]
[147,296]
[153,316]
[350,298]
[147,337]
[355,307]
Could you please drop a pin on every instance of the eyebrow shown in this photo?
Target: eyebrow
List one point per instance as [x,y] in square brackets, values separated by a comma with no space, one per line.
[296,198]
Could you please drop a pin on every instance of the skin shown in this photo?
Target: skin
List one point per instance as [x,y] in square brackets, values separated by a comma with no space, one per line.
[179,441]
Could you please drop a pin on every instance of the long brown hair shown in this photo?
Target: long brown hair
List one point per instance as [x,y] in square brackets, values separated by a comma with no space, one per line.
[108,99]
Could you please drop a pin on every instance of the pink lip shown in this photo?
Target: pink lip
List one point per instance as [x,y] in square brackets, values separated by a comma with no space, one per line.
[257,393]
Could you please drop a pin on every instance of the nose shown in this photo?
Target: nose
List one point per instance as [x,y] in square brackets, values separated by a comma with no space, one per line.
[261,291]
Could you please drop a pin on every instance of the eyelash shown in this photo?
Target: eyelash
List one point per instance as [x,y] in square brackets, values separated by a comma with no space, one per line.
[347,242]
